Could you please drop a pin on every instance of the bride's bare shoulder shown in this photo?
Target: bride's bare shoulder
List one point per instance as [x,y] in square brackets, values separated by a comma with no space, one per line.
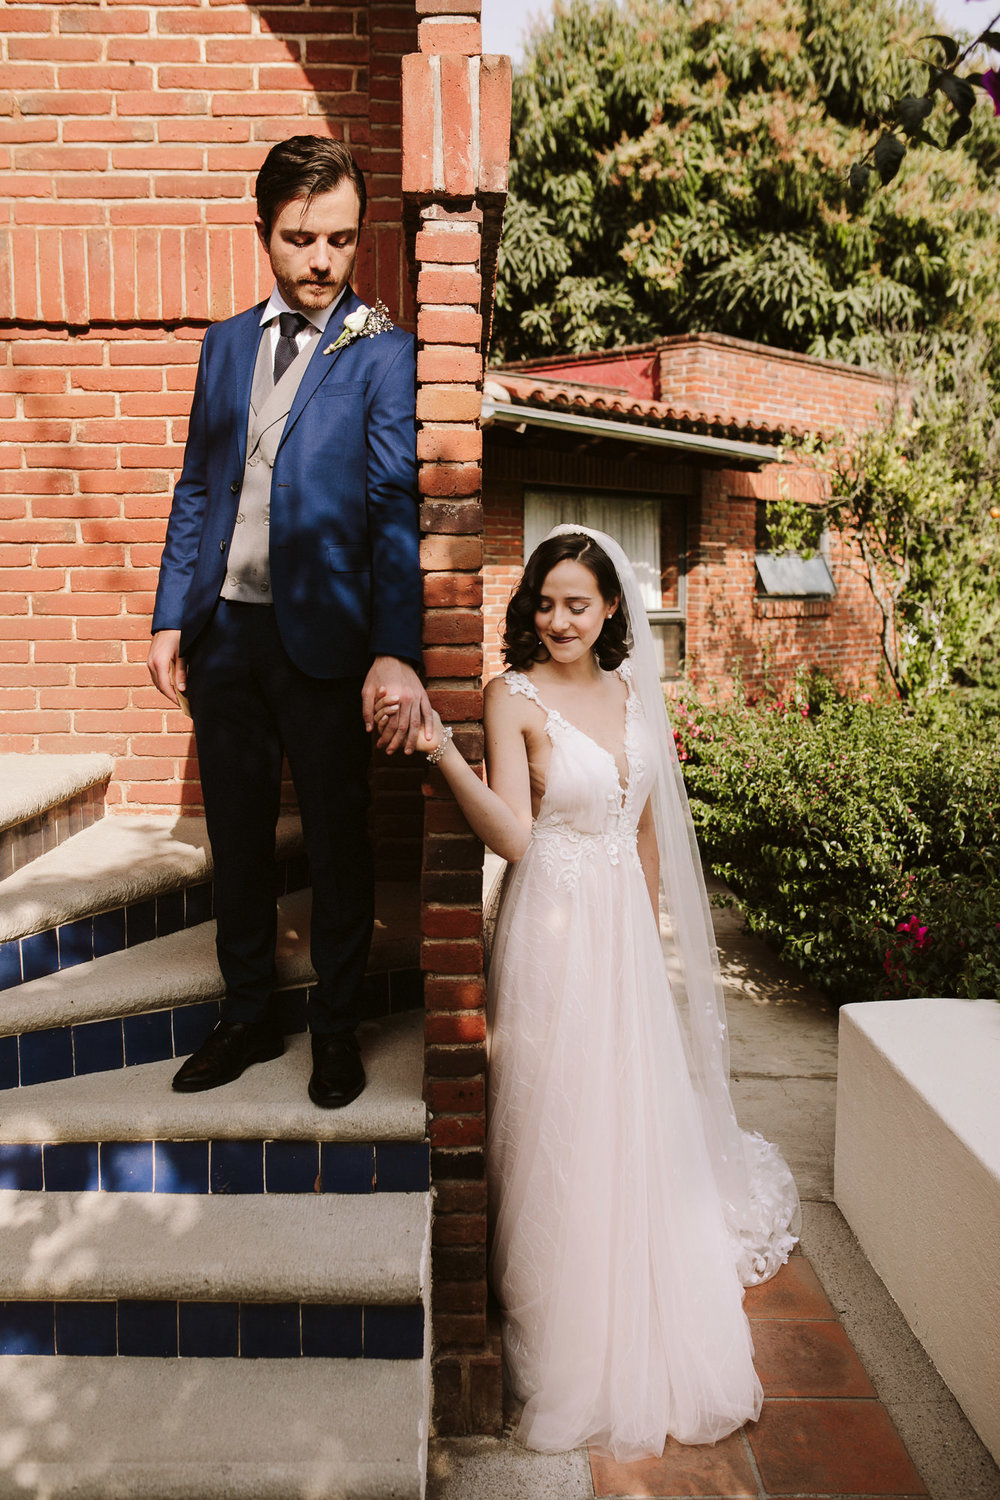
[505,700]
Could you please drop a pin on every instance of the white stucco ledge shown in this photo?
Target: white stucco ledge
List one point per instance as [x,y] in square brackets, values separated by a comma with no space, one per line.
[917,1177]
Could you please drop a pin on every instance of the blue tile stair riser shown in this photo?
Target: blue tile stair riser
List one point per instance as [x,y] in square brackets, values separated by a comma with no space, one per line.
[197,905]
[8,1062]
[332,1332]
[191,1024]
[27,1328]
[10,964]
[347,1168]
[148,1329]
[140,923]
[98,1047]
[21,1167]
[169,912]
[180,1166]
[237,1167]
[164,1329]
[270,1330]
[148,1038]
[219,1166]
[71,1167]
[394,1332]
[76,942]
[126,1166]
[291,1167]
[86,1328]
[39,954]
[209,1330]
[402,1167]
[109,932]
[46,1055]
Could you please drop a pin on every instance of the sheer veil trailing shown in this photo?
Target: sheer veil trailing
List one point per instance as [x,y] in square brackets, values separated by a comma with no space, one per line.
[758,1195]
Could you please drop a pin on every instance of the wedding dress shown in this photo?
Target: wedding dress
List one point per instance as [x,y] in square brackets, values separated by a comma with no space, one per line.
[624,1219]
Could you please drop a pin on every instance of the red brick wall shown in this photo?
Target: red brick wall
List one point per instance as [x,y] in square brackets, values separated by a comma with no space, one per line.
[730,630]
[755,384]
[129,139]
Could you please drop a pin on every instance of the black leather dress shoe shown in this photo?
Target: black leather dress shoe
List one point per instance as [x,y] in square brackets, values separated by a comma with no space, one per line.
[338,1075]
[229,1048]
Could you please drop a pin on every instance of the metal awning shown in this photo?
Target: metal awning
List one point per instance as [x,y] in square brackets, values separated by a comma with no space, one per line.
[510,414]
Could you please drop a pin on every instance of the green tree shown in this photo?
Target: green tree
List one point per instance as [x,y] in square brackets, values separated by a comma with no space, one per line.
[683,165]
[918,498]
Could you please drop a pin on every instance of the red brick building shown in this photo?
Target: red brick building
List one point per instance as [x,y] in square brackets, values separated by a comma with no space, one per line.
[673,446]
[130,137]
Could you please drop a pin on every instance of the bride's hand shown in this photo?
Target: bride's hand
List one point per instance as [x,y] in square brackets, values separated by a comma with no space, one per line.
[387,708]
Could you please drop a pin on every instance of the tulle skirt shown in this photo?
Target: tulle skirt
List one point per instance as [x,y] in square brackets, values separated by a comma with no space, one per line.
[610,1255]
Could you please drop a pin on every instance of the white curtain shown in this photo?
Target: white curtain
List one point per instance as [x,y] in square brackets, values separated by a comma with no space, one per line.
[635,525]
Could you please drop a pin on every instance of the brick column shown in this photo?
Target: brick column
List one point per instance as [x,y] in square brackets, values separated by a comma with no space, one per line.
[456,125]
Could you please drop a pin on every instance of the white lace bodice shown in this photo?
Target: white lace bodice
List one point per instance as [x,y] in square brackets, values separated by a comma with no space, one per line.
[585,812]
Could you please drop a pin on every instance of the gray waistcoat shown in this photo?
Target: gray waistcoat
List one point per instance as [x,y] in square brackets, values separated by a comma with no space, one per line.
[248,579]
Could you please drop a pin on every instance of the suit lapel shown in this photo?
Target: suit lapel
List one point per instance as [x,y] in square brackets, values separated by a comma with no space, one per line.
[248,338]
[321,364]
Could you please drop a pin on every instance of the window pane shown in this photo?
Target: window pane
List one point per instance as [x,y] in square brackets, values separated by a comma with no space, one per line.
[635,525]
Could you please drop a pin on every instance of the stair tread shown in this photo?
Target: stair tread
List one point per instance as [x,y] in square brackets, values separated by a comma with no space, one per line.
[299,1247]
[268,1102]
[181,967]
[107,1429]
[176,969]
[114,862]
[31,784]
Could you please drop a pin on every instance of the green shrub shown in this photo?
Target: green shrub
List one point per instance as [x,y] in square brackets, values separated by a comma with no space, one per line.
[859,838]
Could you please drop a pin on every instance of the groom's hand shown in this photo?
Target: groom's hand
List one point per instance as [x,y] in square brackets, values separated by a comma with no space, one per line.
[401,690]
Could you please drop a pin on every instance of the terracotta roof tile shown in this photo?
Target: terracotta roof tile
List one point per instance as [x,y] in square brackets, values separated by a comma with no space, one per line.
[600,401]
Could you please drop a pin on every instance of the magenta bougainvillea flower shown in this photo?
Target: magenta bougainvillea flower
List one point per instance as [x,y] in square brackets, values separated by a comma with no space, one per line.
[991,83]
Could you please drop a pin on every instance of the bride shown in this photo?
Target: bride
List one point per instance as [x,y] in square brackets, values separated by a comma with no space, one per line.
[627,1208]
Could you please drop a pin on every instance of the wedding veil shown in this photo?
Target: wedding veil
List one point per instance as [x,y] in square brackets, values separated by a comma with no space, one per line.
[758,1194]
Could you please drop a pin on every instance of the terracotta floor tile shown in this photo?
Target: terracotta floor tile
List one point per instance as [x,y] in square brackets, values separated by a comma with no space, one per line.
[795,1292]
[807,1358]
[723,1470]
[831,1448]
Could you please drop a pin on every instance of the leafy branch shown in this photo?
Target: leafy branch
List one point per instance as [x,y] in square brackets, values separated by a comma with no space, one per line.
[906,124]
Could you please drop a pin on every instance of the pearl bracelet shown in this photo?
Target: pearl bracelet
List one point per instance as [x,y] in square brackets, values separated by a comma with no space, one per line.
[435,755]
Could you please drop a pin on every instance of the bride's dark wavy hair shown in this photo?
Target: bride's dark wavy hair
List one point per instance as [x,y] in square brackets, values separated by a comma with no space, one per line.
[519,643]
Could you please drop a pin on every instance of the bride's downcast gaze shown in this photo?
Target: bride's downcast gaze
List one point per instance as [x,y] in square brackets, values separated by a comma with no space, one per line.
[628,1209]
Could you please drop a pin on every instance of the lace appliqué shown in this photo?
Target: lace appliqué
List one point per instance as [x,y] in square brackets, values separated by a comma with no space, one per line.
[563,851]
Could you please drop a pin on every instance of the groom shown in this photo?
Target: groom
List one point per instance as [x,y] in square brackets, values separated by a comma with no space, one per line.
[289,596]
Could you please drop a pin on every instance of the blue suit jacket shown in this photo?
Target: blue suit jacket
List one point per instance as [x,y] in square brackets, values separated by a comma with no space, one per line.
[345,569]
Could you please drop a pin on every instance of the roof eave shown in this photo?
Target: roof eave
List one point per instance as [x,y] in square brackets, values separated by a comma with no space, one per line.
[511,414]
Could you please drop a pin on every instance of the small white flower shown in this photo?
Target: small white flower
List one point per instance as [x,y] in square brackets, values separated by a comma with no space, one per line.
[356,320]
[363,322]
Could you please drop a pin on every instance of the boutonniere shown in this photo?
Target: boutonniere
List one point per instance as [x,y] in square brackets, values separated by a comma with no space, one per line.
[363,323]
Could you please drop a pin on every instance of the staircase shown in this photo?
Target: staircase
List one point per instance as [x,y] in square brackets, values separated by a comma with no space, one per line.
[221,1295]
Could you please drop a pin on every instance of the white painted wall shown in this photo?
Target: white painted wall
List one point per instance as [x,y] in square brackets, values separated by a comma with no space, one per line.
[917,1177]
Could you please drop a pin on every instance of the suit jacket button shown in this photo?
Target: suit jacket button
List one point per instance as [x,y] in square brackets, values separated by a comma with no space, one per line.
[222,546]
[235,487]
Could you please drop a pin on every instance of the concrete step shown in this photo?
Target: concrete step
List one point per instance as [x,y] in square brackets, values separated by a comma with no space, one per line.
[46,799]
[107,1429]
[120,882]
[316,1248]
[160,999]
[269,1102]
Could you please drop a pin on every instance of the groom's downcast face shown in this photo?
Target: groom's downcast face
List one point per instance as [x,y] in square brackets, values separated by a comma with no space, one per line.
[313,246]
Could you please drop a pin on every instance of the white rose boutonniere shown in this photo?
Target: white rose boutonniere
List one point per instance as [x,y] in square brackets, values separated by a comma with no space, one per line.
[363,323]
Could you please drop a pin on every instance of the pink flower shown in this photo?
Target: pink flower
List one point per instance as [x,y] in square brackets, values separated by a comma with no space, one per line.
[991,83]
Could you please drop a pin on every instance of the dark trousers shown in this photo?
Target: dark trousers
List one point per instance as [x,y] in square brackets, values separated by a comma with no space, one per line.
[249,703]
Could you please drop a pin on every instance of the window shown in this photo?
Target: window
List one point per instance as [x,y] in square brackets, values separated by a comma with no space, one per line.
[650,529]
[792,575]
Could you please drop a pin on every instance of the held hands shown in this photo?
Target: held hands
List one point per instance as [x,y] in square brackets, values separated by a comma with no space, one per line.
[408,716]
[386,713]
